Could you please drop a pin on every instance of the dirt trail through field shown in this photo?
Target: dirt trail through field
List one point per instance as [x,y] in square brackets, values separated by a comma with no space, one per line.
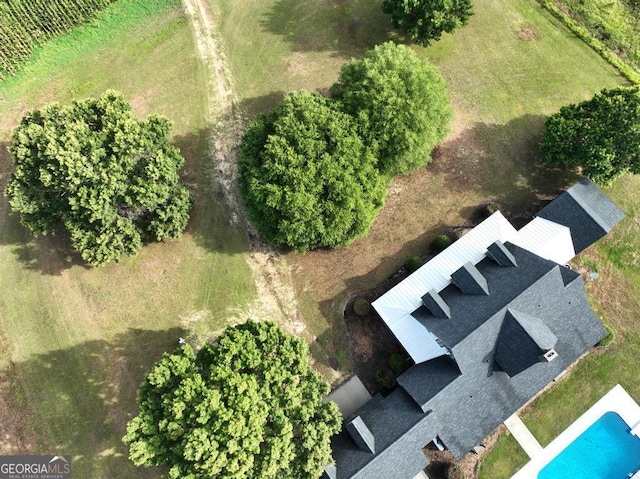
[276,297]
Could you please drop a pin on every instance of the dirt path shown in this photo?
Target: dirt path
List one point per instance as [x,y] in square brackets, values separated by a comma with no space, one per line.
[276,297]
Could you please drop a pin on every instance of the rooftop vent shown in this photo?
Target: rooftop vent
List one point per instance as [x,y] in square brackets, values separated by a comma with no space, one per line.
[550,355]
[501,255]
[434,302]
[361,435]
[470,280]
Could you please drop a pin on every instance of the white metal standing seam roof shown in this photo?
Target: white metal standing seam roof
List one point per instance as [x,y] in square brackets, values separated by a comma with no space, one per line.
[397,304]
[546,239]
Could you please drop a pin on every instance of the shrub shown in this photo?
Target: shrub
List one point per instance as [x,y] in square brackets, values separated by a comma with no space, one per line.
[382,379]
[627,71]
[361,307]
[426,20]
[307,179]
[400,103]
[224,412]
[487,209]
[398,363]
[440,243]
[610,337]
[454,471]
[601,135]
[414,264]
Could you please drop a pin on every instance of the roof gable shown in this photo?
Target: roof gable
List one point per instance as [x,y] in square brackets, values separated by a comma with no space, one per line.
[586,210]
[424,381]
[470,280]
[500,254]
[523,341]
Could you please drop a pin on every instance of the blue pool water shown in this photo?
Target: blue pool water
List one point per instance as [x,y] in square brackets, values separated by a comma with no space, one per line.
[606,450]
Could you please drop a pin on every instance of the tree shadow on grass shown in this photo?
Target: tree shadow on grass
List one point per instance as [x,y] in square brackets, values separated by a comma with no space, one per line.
[49,255]
[503,161]
[78,400]
[251,107]
[346,28]
[213,224]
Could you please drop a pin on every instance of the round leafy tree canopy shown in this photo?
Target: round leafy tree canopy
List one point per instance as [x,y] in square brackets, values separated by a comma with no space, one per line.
[426,20]
[111,180]
[306,177]
[400,102]
[602,135]
[249,408]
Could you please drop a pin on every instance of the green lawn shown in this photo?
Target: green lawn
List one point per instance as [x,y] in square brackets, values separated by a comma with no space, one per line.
[81,339]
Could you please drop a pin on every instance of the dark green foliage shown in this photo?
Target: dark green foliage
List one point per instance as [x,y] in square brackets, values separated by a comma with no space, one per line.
[610,337]
[414,264]
[454,471]
[25,24]
[382,378]
[401,105]
[398,363]
[306,177]
[602,135]
[111,180]
[249,408]
[361,307]
[440,243]
[426,20]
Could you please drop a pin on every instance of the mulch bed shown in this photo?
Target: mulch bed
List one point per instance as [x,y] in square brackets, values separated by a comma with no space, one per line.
[371,344]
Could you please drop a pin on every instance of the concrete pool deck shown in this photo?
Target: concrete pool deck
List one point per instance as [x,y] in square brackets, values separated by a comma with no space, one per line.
[616,400]
[524,437]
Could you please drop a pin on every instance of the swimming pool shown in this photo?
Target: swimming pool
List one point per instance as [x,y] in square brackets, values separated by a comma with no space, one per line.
[605,450]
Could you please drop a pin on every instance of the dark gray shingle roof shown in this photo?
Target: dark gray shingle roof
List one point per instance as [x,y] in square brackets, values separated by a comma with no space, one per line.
[499,321]
[501,254]
[470,280]
[361,434]
[434,303]
[586,210]
[423,381]
[523,340]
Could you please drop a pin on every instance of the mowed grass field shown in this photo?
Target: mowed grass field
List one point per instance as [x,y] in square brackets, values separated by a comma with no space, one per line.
[75,341]
[513,65]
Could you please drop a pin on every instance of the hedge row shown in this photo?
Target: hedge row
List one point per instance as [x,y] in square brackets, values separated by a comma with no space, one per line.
[627,70]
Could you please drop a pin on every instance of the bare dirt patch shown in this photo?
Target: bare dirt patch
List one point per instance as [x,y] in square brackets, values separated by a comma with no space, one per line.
[276,297]
[528,33]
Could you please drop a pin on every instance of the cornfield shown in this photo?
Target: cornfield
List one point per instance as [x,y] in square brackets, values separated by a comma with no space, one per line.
[24,24]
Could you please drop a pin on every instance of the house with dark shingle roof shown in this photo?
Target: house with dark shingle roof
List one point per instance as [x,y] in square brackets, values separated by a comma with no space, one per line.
[488,323]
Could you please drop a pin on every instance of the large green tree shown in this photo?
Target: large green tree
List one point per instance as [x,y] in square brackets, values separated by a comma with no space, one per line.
[400,102]
[306,177]
[601,135]
[250,407]
[426,20]
[111,180]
